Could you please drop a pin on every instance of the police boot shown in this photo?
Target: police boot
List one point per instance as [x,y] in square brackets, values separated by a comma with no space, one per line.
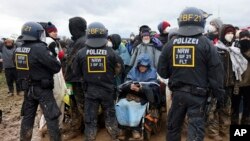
[26,134]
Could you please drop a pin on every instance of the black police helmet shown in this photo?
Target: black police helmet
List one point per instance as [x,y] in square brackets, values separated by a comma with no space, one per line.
[31,31]
[96,35]
[191,22]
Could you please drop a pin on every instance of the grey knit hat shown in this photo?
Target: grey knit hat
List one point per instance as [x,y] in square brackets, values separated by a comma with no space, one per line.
[217,22]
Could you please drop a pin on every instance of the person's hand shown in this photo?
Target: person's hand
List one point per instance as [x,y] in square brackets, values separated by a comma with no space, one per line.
[134,87]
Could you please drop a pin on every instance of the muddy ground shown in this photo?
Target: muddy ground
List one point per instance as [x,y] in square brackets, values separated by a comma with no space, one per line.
[10,126]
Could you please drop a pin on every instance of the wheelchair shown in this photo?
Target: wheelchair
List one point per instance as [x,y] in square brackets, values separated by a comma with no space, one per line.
[135,112]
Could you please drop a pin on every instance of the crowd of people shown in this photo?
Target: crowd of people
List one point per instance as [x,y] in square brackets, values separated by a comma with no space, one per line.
[96,68]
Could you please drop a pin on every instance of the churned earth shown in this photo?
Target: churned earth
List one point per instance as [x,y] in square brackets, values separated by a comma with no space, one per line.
[10,126]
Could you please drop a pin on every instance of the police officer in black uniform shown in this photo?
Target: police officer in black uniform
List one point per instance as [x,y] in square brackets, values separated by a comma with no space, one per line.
[36,66]
[98,63]
[193,66]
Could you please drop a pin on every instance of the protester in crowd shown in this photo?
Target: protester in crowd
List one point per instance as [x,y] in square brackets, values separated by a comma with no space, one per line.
[130,43]
[244,42]
[147,46]
[163,28]
[214,30]
[9,66]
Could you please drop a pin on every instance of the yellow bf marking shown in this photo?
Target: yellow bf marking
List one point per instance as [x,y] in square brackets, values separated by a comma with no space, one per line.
[96,31]
[189,17]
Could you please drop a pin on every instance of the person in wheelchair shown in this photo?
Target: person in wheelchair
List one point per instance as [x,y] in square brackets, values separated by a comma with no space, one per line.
[141,86]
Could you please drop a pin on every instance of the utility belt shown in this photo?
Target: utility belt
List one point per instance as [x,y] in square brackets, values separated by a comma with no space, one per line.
[194,90]
[44,83]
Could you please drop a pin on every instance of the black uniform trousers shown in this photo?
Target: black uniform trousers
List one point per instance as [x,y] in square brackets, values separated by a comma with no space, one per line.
[184,103]
[94,98]
[236,100]
[11,78]
[34,96]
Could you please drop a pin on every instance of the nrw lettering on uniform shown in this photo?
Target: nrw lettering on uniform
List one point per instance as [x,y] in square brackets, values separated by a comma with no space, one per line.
[183,50]
[96,60]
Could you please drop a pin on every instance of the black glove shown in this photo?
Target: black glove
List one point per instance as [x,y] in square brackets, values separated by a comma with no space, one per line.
[220,96]
[52,48]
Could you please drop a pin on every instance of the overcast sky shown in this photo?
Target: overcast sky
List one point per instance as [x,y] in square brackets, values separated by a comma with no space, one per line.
[119,16]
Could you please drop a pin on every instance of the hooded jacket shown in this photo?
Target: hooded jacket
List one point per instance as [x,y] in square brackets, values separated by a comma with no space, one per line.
[229,77]
[119,48]
[149,76]
[77,27]
[212,36]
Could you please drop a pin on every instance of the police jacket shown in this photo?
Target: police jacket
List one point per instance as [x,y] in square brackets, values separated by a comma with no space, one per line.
[97,66]
[191,61]
[37,61]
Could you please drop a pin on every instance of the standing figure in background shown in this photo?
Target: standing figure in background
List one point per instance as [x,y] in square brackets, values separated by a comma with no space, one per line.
[9,67]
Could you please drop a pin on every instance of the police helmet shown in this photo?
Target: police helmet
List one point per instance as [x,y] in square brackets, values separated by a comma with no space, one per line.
[191,22]
[32,31]
[96,35]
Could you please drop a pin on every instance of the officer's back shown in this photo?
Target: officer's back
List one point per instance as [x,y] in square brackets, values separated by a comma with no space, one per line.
[191,58]
[97,64]
[36,65]
[192,65]
[42,64]
[35,57]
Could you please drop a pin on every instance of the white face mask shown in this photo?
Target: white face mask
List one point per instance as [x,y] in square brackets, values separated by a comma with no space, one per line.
[166,30]
[211,28]
[109,44]
[145,41]
[132,37]
[229,37]
[43,37]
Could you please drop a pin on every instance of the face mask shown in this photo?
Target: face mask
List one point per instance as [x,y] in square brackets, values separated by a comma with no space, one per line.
[43,37]
[245,43]
[109,44]
[211,28]
[132,38]
[166,31]
[229,37]
[145,41]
